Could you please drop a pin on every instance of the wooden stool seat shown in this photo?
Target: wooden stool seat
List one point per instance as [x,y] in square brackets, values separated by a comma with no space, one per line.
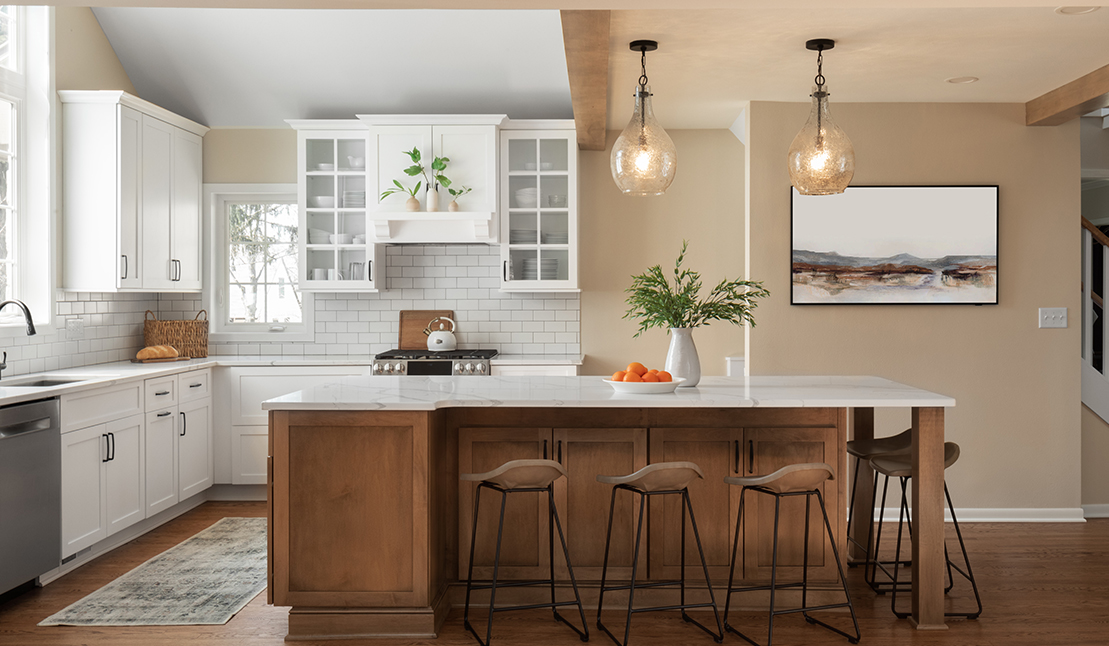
[661,476]
[520,474]
[867,449]
[794,477]
[900,465]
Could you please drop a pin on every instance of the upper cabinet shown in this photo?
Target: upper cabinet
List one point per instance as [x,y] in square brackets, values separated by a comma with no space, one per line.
[131,178]
[539,208]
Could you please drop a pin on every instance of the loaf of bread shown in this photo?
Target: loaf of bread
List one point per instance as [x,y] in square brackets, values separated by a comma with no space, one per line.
[157,352]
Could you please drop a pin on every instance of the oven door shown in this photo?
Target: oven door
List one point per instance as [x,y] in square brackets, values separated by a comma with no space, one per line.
[431,367]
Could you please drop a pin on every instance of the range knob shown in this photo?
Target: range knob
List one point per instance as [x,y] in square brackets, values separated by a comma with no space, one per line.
[398,368]
[469,368]
[458,368]
[378,369]
[481,368]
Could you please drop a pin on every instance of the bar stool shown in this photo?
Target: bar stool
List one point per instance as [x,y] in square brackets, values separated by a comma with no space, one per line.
[865,450]
[793,480]
[520,476]
[660,479]
[901,466]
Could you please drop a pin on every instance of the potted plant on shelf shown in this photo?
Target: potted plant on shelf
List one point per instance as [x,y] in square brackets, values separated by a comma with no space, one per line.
[438,165]
[455,194]
[412,203]
[680,308]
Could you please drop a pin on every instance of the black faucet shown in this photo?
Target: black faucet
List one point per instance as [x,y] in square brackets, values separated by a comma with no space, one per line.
[26,317]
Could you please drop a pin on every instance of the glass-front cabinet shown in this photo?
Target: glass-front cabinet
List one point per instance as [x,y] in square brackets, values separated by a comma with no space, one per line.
[338,250]
[539,210]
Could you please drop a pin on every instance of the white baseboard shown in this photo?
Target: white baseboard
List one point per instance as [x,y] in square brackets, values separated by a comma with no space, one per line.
[1019,515]
[1095,511]
[235,493]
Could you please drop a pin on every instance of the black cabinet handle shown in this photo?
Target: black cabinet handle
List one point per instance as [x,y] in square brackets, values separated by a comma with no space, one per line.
[544,449]
[184,424]
[751,456]
[159,394]
[107,448]
[737,456]
[112,440]
[165,414]
[370,270]
[195,385]
[504,271]
[124,276]
[559,444]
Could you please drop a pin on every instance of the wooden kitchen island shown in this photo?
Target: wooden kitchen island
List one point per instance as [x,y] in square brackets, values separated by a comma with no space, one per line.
[369,530]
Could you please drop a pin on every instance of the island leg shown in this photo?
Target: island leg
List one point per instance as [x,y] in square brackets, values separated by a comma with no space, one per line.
[862,520]
[928,554]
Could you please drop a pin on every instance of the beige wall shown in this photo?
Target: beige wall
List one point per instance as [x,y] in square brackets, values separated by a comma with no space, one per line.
[1017,387]
[1095,205]
[84,59]
[1095,144]
[250,156]
[621,236]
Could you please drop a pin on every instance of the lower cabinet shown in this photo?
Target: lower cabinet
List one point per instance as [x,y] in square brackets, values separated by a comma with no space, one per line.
[583,503]
[102,482]
[178,454]
[161,460]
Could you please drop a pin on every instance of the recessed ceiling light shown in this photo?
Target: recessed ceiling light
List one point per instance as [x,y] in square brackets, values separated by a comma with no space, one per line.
[962,80]
[1075,11]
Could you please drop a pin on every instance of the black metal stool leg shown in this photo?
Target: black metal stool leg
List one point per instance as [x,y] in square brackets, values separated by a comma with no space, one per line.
[731,570]
[550,546]
[969,574]
[604,563]
[842,578]
[470,573]
[718,636]
[635,566]
[851,511]
[584,633]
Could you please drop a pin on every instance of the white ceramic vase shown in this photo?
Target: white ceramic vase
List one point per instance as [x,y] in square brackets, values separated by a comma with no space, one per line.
[681,360]
[432,200]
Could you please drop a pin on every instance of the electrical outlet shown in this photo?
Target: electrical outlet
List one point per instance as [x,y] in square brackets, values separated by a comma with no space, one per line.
[1053,317]
[74,329]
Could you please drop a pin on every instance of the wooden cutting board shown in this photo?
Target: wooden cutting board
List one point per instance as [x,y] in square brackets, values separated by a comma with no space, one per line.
[412,324]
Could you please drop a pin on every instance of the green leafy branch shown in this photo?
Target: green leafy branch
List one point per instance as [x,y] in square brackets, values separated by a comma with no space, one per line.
[655,303]
[401,188]
[438,165]
[458,192]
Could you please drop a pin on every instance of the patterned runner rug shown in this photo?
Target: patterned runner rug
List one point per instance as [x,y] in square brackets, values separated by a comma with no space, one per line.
[204,580]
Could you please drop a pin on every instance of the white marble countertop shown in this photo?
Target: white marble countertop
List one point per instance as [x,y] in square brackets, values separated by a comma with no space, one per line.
[430,393]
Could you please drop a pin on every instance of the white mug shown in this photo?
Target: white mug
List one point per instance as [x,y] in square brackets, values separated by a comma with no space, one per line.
[319,274]
[334,275]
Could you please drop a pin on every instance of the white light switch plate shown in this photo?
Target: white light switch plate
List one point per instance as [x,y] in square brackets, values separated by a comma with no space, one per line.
[1053,317]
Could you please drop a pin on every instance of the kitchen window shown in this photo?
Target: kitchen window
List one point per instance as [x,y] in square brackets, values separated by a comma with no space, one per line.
[254,293]
[26,165]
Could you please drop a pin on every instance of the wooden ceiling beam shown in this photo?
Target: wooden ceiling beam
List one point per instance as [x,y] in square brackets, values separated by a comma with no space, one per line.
[585,34]
[1070,101]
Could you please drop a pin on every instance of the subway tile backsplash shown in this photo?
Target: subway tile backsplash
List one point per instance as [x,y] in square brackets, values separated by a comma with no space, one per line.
[462,278]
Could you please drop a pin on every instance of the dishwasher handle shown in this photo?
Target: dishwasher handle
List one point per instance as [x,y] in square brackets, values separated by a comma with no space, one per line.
[29,426]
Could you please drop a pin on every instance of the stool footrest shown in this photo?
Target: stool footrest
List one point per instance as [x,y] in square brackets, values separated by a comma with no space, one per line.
[533,606]
[508,584]
[677,607]
[640,586]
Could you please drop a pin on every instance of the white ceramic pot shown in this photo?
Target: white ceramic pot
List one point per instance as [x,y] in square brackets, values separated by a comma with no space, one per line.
[681,360]
[453,206]
[412,204]
[432,200]
[441,339]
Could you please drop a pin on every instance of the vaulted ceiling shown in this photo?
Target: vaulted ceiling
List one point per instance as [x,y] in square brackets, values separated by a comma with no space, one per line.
[257,67]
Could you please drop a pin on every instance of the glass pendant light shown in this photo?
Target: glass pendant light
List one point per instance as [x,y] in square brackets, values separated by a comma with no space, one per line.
[821,158]
[644,160]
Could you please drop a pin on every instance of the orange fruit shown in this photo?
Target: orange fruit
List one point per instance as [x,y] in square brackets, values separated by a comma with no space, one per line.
[638,368]
[618,375]
[664,376]
[653,371]
[650,377]
[631,376]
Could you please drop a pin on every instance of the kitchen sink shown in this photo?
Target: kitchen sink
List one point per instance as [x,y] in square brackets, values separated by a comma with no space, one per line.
[38,382]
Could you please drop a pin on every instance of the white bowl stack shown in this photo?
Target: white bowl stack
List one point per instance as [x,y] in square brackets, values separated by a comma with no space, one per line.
[521,236]
[527,197]
[318,236]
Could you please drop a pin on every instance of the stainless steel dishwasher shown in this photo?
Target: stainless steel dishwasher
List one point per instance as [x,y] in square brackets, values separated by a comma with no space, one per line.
[30,491]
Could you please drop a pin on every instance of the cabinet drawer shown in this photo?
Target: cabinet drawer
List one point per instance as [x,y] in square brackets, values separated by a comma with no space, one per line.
[90,407]
[161,392]
[194,385]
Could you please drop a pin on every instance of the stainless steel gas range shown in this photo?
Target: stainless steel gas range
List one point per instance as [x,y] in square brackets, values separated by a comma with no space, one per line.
[427,362]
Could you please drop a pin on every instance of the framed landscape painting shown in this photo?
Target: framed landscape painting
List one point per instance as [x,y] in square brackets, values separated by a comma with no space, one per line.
[895,244]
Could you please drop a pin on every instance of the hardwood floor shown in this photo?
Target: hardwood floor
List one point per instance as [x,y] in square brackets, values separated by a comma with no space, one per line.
[1042,584]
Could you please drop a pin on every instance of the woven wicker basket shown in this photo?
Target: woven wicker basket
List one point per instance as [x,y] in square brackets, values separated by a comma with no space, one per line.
[189,338]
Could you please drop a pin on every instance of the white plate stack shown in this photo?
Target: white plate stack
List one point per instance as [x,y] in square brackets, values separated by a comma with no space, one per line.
[318,236]
[354,199]
[521,236]
[556,238]
[548,269]
[527,197]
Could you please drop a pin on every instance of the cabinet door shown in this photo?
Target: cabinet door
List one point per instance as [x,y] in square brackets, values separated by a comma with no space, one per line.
[472,151]
[769,449]
[83,453]
[714,502]
[130,195]
[524,547]
[583,503]
[161,460]
[194,448]
[125,474]
[186,230]
[156,191]
[386,161]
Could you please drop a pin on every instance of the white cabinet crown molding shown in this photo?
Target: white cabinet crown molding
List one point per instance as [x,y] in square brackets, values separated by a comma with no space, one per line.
[132,101]
[433,119]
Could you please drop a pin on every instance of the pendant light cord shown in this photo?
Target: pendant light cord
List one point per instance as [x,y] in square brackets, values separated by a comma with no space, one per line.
[819,96]
[819,80]
[643,67]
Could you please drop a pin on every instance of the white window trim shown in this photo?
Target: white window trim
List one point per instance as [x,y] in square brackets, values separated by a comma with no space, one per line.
[215,198]
[37,148]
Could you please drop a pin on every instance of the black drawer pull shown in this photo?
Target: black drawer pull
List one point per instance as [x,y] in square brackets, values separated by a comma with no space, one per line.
[184,423]
[165,414]
[751,456]
[107,447]
[737,456]
[195,385]
[159,394]
[544,449]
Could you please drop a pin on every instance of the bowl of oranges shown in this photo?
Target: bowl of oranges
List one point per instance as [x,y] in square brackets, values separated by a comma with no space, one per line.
[638,379]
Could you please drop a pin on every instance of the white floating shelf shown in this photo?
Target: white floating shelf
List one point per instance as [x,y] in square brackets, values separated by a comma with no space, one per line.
[437,227]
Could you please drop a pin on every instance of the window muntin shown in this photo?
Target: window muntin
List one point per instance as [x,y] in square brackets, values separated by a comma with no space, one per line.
[262,264]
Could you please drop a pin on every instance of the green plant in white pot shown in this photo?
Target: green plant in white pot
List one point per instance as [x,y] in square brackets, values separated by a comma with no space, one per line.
[654,302]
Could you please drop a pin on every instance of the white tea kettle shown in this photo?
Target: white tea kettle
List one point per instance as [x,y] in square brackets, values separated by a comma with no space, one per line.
[440,339]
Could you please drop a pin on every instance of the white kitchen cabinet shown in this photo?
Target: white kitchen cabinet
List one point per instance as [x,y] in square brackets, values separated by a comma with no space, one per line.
[533,370]
[539,208]
[131,187]
[179,443]
[194,448]
[161,460]
[103,488]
